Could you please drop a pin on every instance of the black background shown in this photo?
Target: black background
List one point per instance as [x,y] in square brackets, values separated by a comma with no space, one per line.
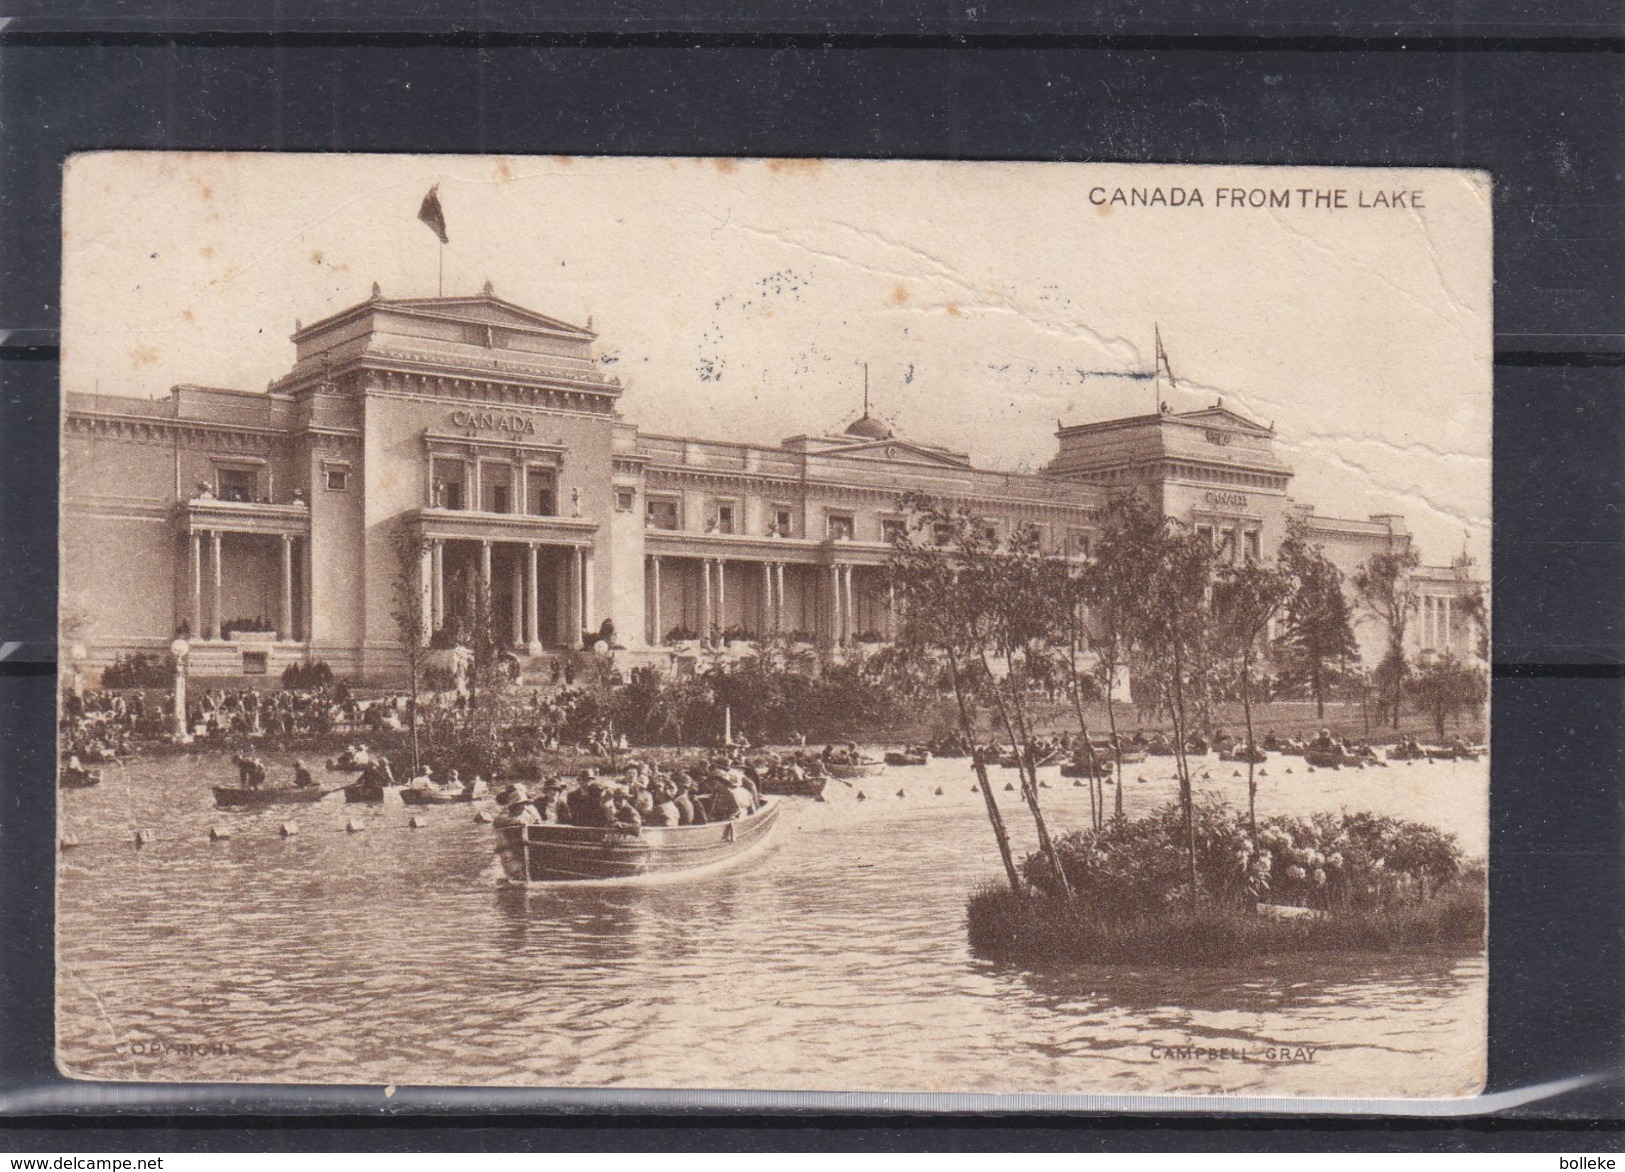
[1530,92]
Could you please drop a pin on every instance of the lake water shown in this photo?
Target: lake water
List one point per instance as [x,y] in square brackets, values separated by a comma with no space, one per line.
[833,959]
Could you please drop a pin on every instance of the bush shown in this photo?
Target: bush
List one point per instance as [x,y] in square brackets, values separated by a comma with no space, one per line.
[314,676]
[438,679]
[1331,862]
[141,670]
[1022,928]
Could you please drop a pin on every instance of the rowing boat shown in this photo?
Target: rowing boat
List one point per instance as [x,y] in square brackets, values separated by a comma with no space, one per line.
[241,797]
[788,785]
[548,852]
[846,771]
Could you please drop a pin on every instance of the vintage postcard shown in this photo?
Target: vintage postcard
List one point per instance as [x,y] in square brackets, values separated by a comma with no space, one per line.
[774,625]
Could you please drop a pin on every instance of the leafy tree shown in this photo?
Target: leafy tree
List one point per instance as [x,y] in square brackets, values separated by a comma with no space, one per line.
[1445,688]
[1171,627]
[1110,586]
[1245,599]
[1386,591]
[1316,643]
[943,618]
[1016,588]
[406,607]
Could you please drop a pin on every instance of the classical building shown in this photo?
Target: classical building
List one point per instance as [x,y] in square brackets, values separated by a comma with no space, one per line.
[481,442]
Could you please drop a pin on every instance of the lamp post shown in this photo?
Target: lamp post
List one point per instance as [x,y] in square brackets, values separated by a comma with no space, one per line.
[77,653]
[179,648]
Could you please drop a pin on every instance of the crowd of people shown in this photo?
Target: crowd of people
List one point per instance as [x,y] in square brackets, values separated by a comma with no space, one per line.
[715,790]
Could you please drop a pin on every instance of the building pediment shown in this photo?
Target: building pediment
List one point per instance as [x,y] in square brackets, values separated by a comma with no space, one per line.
[1217,416]
[898,451]
[485,309]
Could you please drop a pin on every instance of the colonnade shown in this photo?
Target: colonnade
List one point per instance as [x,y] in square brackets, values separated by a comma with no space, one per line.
[205,560]
[838,608]
[1437,622]
[576,601]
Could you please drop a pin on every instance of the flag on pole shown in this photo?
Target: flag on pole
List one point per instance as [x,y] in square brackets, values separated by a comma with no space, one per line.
[1162,356]
[433,215]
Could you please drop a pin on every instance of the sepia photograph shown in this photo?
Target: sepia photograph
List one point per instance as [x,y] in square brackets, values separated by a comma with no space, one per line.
[680,624]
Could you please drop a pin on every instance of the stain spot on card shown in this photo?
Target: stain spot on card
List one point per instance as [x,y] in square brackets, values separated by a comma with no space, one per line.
[806,167]
[726,166]
[899,295]
[954,310]
[142,354]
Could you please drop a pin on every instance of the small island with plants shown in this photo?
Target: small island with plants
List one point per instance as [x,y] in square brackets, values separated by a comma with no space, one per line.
[1005,625]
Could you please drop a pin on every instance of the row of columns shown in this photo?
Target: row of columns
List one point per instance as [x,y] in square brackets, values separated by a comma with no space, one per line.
[576,599]
[474,483]
[285,630]
[1437,622]
[842,609]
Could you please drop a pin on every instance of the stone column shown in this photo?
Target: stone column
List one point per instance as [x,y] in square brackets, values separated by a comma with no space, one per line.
[891,610]
[516,611]
[307,577]
[722,594]
[850,619]
[196,559]
[834,611]
[425,594]
[778,610]
[284,630]
[767,598]
[589,605]
[705,599]
[533,602]
[214,559]
[657,636]
[477,494]
[521,487]
[485,571]
[1448,647]
[439,555]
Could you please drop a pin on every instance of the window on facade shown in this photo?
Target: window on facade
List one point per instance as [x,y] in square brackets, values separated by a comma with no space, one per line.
[236,484]
[660,513]
[1227,545]
[256,663]
[496,486]
[1205,532]
[891,530]
[840,527]
[1077,543]
[783,522]
[448,484]
[724,518]
[1252,545]
[337,478]
[625,499]
[543,490]
[942,533]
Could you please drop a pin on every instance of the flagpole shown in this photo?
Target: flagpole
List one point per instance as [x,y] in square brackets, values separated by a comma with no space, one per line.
[440,280]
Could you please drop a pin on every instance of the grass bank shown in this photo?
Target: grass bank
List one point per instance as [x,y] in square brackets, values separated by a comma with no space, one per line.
[1036,930]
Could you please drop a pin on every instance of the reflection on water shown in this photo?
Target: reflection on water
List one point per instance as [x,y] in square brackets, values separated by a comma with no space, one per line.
[834,959]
